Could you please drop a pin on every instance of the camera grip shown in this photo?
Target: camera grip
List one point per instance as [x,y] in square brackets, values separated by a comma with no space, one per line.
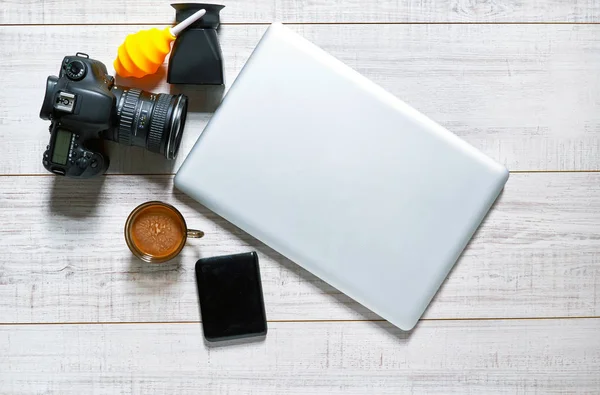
[68,155]
[92,166]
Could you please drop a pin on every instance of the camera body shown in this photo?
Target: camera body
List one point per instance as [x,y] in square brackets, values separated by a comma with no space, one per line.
[85,107]
[82,108]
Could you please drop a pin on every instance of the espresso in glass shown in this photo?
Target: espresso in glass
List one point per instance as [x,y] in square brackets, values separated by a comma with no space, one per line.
[156,232]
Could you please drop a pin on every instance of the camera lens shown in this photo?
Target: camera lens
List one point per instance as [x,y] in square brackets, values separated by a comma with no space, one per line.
[151,121]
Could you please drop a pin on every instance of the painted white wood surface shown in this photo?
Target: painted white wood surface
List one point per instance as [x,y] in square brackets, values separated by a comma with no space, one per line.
[64,259]
[442,357]
[526,95]
[305,11]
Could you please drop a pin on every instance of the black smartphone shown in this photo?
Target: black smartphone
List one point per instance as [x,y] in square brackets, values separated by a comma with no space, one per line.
[231,297]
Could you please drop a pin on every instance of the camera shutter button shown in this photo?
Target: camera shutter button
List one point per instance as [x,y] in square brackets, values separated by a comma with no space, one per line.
[110,81]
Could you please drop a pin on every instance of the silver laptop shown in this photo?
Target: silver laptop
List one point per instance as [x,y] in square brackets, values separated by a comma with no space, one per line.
[341,177]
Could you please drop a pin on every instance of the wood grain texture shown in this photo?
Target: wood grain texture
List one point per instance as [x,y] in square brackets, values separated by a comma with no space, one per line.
[63,257]
[488,357]
[526,95]
[305,11]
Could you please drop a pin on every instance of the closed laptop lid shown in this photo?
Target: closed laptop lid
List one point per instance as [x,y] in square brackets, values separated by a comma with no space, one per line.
[341,177]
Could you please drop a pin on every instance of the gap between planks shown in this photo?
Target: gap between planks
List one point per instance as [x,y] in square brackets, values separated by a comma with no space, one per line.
[173,174]
[297,321]
[297,23]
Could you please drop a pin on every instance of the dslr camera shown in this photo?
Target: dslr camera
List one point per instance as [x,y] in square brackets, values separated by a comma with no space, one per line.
[84,106]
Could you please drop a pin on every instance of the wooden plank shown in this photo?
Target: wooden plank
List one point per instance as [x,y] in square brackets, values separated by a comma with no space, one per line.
[315,11]
[516,357]
[527,95]
[63,257]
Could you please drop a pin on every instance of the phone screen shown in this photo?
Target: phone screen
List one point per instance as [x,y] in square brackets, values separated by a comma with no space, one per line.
[231,298]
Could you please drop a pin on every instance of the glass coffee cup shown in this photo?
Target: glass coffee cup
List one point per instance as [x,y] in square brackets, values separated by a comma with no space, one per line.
[156,232]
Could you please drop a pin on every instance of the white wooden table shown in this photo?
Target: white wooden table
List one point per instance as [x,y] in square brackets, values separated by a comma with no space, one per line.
[520,313]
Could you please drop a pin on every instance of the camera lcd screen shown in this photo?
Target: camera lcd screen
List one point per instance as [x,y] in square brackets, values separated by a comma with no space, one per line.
[62,143]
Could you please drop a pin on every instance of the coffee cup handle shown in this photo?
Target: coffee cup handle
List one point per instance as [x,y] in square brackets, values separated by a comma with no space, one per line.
[194,234]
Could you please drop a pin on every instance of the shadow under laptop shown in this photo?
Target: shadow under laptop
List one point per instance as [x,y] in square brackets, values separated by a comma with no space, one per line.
[474,237]
[366,315]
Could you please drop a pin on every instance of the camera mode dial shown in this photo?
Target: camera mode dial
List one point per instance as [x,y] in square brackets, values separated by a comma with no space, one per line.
[74,69]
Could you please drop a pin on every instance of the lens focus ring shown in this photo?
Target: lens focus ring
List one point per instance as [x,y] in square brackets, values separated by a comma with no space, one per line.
[131,98]
[158,122]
